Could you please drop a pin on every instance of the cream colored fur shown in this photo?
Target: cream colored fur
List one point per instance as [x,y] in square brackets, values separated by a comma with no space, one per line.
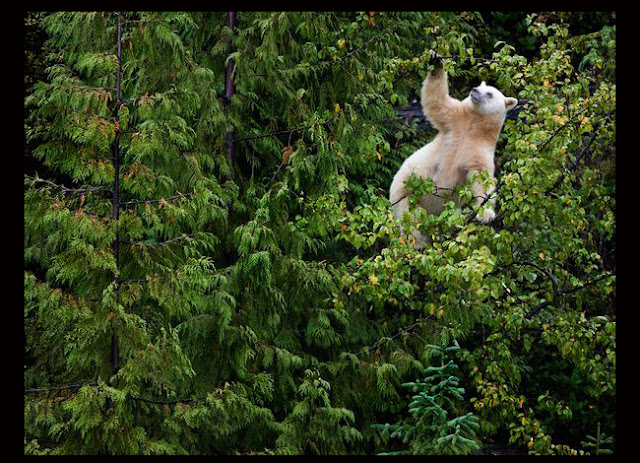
[467,134]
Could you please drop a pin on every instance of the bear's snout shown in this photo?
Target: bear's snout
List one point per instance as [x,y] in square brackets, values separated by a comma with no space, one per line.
[475,95]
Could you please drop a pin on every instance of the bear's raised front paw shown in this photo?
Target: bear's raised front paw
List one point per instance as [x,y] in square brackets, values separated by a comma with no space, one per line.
[487,216]
[435,59]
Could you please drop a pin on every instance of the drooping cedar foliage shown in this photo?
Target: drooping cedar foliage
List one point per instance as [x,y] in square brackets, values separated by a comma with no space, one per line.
[210,261]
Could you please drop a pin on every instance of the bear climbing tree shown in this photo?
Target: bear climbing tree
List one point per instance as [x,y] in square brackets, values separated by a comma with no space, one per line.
[463,149]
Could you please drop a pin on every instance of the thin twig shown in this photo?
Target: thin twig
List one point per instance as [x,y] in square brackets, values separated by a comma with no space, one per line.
[150,201]
[58,388]
[166,402]
[556,132]
[166,243]
[547,272]
[544,304]
[282,132]
[405,329]
[574,164]
[66,189]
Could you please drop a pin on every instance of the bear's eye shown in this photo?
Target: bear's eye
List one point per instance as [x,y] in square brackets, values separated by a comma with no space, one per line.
[489,95]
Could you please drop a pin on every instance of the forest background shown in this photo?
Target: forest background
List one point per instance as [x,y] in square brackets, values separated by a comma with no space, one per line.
[211,265]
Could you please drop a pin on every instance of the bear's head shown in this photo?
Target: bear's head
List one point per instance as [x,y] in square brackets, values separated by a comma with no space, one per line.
[489,100]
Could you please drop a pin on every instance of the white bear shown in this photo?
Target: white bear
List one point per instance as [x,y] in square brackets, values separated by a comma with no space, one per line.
[465,144]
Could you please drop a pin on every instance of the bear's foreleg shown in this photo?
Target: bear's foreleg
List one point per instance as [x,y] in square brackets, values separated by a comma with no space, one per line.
[435,99]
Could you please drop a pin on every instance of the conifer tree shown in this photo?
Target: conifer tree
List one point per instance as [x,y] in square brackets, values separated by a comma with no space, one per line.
[122,246]
[435,427]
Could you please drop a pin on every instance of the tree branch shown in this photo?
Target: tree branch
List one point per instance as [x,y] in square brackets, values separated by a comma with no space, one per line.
[66,189]
[165,243]
[58,388]
[229,84]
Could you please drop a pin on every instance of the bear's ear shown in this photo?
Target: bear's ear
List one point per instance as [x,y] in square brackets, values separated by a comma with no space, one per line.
[510,103]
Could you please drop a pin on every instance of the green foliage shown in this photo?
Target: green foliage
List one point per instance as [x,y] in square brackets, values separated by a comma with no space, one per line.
[263,298]
[596,444]
[434,426]
[314,427]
